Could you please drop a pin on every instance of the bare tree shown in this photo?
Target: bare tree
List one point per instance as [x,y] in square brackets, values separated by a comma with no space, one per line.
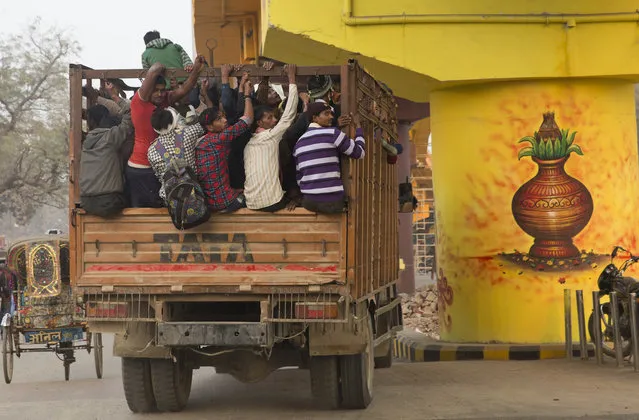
[34,120]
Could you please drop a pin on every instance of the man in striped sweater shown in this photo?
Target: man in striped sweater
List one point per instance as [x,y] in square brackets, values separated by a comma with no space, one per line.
[317,162]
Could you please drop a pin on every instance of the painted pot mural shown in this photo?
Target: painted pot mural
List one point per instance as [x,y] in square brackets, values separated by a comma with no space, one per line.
[530,210]
[552,207]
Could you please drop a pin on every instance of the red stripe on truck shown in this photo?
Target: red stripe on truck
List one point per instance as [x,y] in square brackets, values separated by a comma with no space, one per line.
[208,267]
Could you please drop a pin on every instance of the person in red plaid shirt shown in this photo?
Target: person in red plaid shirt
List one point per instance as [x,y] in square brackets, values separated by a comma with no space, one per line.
[212,151]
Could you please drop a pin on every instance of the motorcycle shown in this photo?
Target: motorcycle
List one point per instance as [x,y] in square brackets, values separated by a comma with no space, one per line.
[612,279]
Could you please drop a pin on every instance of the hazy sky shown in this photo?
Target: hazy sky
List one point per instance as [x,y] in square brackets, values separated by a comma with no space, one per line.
[110,32]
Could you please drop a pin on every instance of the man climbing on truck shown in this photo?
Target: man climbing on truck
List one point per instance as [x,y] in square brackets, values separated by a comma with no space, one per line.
[212,153]
[317,155]
[262,187]
[102,190]
[164,51]
[143,185]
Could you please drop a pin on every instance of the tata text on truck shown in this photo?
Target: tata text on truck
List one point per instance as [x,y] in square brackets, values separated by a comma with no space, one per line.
[248,292]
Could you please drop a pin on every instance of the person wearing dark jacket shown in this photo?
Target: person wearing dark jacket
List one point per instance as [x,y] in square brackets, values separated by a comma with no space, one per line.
[101,164]
[233,106]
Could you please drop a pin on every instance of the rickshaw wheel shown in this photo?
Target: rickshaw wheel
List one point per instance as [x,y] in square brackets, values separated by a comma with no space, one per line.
[67,371]
[7,354]
[97,354]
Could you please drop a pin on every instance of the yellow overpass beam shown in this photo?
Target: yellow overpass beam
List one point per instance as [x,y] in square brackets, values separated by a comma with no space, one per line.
[459,41]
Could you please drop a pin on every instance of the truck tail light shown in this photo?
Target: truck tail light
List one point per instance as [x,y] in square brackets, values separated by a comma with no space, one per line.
[328,310]
[108,310]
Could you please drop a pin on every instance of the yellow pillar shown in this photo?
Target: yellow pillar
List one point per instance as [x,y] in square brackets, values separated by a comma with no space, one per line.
[491,287]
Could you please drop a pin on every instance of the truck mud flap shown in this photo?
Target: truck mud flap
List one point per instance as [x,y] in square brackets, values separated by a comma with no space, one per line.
[212,334]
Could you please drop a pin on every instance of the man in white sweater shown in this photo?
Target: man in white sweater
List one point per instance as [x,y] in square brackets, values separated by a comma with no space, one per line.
[262,188]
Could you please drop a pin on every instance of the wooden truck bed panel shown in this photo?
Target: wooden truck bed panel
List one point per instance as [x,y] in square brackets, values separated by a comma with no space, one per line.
[142,247]
[372,185]
[213,251]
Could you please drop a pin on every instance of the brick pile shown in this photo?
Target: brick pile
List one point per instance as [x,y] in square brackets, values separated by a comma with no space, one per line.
[420,311]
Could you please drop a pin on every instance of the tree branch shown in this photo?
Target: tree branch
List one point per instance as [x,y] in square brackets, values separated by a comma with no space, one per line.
[33,83]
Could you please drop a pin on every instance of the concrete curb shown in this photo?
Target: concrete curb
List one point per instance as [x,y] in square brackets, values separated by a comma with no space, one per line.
[416,347]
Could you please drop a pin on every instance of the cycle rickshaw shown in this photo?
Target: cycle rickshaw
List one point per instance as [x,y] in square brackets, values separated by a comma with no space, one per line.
[42,314]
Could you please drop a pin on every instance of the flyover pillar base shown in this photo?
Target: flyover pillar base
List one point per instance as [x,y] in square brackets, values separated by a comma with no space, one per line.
[497,195]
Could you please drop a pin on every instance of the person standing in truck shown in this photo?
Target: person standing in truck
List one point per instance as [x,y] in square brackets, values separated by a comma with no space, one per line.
[171,55]
[232,102]
[102,189]
[320,89]
[233,106]
[162,50]
[165,122]
[212,154]
[144,187]
[317,162]
[262,187]
[113,98]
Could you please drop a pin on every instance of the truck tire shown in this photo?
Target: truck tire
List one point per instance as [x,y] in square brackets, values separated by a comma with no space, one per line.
[325,381]
[138,390]
[171,383]
[385,361]
[356,373]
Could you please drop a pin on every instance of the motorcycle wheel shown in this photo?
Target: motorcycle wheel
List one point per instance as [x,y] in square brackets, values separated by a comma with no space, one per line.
[607,338]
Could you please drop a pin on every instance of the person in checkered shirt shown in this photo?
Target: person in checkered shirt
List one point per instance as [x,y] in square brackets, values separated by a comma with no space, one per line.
[212,152]
[165,121]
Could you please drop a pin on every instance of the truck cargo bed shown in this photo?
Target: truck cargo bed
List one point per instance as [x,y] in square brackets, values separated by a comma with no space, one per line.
[140,251]
[142,247]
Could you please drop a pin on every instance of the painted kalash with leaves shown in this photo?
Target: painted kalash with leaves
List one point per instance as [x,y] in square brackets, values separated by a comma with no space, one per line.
[249,292]
[552,207]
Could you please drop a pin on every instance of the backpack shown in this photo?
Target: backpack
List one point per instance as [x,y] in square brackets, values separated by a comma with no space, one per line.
[185,199]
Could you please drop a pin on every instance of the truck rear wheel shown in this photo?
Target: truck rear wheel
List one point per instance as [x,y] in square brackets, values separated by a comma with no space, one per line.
[138,390]
[171,383]
[356,372]
[325,381]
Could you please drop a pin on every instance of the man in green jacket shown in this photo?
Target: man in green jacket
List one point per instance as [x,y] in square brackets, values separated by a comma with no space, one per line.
[164,51]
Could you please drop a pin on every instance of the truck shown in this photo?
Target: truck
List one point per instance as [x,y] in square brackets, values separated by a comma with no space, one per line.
[249,292]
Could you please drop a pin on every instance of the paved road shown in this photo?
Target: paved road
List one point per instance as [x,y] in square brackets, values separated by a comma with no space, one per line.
[446,390]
